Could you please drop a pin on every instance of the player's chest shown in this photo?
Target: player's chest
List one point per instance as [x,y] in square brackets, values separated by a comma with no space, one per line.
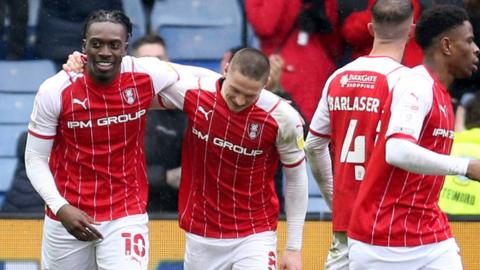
[439,123]
[83,107]
[215,124]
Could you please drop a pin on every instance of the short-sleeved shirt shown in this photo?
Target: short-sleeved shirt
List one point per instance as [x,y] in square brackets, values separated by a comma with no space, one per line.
[395,207]
[349,114]
[97,159]
[229,159]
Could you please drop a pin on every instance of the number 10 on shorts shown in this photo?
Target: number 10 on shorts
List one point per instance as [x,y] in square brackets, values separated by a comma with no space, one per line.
[134,244]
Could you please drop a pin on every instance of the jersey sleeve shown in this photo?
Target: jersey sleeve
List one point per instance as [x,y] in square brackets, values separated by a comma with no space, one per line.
[320,125]
[290,141]
[174,96]
[162,73]
[46,110]
[412,100]
[194,71]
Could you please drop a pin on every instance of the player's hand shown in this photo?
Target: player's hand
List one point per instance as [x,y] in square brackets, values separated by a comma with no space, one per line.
[76,62]
[276,67]
[291,260]
[78,223]
[473,171]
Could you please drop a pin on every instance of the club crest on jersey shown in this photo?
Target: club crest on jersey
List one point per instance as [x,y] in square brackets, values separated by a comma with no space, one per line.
[253,131]
[129,95]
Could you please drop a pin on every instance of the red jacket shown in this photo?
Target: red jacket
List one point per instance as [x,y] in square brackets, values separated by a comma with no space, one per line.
[306,67]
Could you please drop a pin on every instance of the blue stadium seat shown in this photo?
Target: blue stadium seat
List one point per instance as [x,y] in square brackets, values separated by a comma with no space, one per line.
[24,76]
[170,265]
[15,108]
[134,10]
[316,202]
[208,64]
[197,29]
[2,198]
[9,136]
[7,168]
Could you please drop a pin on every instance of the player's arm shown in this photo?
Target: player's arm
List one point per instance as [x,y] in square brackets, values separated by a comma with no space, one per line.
[42,129]
[408,112]
[319,159]
[317,150]
[413,158]
[290,147]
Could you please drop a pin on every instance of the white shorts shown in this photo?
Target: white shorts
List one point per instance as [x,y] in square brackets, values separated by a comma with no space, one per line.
[125,245]
[256,251]
[337,258]
[437,256]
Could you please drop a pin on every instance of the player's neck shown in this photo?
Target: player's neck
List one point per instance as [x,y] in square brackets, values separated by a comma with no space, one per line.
[439,69]
[392,49]
[102,82]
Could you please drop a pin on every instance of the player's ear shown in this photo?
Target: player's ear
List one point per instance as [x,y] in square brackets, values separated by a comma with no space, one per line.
[84,44]
[370,29]
[225,70]
[446,45]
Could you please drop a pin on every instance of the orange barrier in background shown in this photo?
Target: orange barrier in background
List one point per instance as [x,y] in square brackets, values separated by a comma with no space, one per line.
[20,240]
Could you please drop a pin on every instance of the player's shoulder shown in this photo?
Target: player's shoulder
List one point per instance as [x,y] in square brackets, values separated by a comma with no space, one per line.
[139,64]
[209,84]
[418,77]
[421,72]
[278,108]
[54,85]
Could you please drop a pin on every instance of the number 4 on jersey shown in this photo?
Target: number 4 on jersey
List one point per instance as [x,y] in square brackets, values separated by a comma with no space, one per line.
[358,153]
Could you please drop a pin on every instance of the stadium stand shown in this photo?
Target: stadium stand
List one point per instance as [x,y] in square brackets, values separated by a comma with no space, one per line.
[134,10]
[33,10]
[24,76]
[198,29]
[17,92]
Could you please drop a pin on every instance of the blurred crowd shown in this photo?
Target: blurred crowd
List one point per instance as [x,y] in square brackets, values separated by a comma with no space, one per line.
[306,41]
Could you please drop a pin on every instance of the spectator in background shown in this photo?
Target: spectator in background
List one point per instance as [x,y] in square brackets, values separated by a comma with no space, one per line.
[21,196]
[306,36]
[355,32]
[60,25]
[15,37]
[460,195]
[163,140]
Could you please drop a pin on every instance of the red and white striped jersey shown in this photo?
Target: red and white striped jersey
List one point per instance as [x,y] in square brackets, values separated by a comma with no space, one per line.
[97,158]
[395,207]
[229,159]
[349,113]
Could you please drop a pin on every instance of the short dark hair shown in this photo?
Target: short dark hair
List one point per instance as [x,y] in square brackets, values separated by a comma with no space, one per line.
[113,16]
[392,11]
[472,112]
[148,39]
[251,63]
[436,21]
